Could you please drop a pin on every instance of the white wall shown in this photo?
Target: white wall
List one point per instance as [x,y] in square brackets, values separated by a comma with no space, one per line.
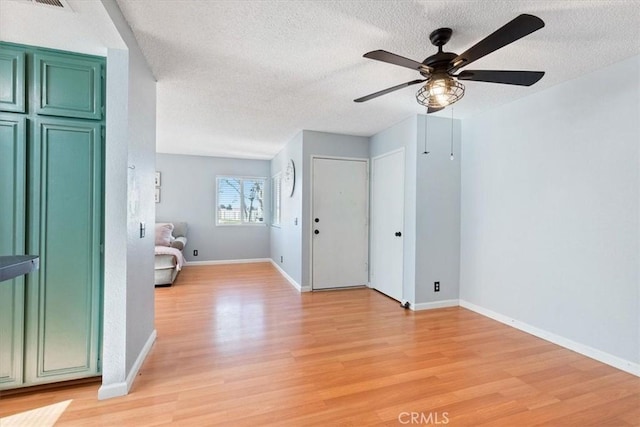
[188,193]
[114,321]
[550,211]
[286,240]
[128,329]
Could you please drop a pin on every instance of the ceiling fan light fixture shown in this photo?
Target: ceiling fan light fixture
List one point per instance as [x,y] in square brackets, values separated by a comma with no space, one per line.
[439,91]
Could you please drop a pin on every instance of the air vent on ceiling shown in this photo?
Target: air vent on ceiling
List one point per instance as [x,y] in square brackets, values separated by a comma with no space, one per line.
[55,3]
[58,4]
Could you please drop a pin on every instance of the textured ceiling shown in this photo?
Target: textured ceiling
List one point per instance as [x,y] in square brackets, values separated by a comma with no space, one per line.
[240,78]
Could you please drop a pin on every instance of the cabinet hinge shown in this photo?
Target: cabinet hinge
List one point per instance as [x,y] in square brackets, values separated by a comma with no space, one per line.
[101,248]
[102,131]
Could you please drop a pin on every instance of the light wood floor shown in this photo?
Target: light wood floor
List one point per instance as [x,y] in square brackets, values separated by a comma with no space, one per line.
[237,345]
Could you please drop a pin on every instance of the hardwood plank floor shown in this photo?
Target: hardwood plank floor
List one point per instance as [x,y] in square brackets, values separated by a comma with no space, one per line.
[237,345]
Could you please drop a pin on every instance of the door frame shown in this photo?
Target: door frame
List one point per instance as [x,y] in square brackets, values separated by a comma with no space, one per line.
[367,207]
[372,213]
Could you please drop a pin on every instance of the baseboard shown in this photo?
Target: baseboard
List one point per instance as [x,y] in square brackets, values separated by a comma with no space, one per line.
[585,350]
[140,359]
[228,261]
[112,390]
[435,304]
[290,279]
[122,388]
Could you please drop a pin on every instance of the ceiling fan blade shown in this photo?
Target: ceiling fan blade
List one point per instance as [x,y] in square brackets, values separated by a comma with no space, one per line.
[434,109]
[520,78]
[514,30]
[388,90]
[392,58]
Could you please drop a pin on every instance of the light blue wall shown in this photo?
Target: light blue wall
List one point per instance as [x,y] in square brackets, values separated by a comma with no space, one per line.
[322,144]
[438,210]
[550,210]
[292,241]
[188,193]
[404,134]
[140,254]
[286,240]
[432,205]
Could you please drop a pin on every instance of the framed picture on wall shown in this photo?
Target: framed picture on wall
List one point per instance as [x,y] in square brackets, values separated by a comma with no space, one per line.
[157,179]
[157,194]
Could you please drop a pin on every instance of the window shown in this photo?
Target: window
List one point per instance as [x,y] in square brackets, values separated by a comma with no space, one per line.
[240,200]
[276,191]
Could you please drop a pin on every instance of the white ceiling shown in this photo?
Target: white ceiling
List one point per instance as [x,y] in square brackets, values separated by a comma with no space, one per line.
[241,78]
[83,26]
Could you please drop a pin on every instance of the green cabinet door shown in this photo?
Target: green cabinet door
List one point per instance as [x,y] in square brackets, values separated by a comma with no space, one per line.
[12,80]
[12,242]
[68,86]
[63,296]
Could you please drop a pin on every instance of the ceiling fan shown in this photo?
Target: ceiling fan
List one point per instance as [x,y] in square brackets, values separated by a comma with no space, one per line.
[442,86]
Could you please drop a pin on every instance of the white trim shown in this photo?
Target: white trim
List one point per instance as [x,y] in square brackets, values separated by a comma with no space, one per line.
[122,388]
[290,279]
[434,304]
[276,179]
[227,261]
[112,390]
[140,359]
[585,350]
[388,153]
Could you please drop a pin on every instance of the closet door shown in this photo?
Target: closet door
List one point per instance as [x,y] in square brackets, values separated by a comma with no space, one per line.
[68,86]
[65,224]
[12,80]
[12,242]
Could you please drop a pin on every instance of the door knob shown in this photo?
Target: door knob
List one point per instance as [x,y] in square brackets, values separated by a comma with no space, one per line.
[316,232]
[398,234]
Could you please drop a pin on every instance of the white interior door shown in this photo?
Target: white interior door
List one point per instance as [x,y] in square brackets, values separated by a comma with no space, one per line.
[339,224]
[387,220]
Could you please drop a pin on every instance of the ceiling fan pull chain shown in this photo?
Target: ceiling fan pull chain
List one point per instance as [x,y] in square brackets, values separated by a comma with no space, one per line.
[451,156]
[425,133]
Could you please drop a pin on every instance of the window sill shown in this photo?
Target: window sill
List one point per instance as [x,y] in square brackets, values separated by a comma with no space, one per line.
[242,225]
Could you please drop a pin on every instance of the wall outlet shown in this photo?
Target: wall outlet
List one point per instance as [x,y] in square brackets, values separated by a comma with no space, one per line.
[436,286]
[195,252]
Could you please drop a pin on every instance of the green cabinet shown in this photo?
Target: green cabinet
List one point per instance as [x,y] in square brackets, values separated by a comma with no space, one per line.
[68,87]
[51,205]
[65,231]
[12,80]
[12,230]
